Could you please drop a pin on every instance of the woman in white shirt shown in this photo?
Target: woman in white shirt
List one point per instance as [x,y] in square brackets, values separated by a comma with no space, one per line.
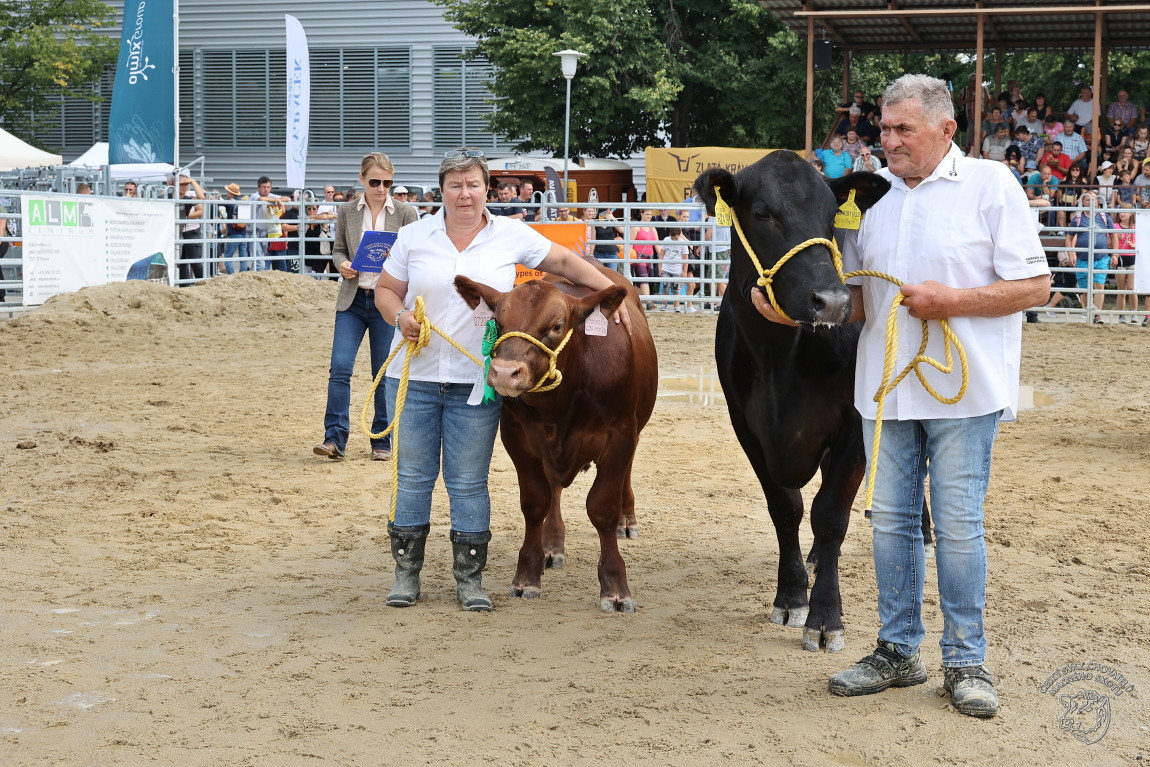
[462,238]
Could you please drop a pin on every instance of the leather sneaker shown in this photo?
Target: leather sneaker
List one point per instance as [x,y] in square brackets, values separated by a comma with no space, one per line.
[881,669]
[328,450]
[971,690]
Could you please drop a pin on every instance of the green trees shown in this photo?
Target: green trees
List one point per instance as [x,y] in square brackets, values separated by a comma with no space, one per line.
[49,48]
[690,71]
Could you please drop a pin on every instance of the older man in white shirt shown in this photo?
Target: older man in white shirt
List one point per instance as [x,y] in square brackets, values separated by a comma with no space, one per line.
[957,232]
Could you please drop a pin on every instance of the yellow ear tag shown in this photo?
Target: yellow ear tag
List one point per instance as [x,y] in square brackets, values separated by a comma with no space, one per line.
[849,215]
[722,210]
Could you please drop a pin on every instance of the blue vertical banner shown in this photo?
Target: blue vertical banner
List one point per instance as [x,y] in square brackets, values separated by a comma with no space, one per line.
[298,102]
[142,121]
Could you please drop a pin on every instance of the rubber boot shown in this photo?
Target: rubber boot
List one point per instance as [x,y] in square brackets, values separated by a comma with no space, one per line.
[407,544]
[469,557]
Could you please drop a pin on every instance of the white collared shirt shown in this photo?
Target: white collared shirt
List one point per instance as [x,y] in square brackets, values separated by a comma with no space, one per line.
[367,280]
[966,225]
[425,258]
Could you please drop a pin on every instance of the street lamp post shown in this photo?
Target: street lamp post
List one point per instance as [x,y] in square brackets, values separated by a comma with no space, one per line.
[569,60]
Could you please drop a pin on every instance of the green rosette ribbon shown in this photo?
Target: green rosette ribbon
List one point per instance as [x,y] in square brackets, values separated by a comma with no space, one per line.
[490,336]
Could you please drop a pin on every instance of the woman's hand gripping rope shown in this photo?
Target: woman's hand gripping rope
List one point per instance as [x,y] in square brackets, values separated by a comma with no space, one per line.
[412,348]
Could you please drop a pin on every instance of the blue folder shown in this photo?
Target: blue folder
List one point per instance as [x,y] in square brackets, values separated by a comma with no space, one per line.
[372,251]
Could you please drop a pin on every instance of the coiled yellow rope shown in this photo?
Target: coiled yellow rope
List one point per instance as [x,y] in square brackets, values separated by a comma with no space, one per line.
[415,347]
[887,384]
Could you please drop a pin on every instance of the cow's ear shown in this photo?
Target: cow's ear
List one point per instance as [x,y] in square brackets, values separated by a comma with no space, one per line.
[472,291]
[607,299]
[711,179]
[869,188]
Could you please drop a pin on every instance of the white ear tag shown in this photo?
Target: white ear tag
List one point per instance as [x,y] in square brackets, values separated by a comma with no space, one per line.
[481,314]
[596,323]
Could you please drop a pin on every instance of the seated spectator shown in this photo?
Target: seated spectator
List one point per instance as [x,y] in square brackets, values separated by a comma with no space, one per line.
[1141,185]
[1006,106]
[990,125]
[1051,128]
[852,145]
[1123,109]
[1073,143]
[1043,108]
[1014,161]
[866,161]
[1031,121]
[1082,110]
[876,115]
[1115,135]
[1126,160]
[1070,190]
[858,100]
[1140,142]
[836,162]
[1042,188]
[1124,189]
[1105,181]
[994,147]
[1057,159]
[817,164]
[1028,145]
[854,120]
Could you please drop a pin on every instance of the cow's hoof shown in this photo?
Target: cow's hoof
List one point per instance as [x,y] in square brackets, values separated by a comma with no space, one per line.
[525,592]
[796,617]
[555,561]
[831,641]
[617,605]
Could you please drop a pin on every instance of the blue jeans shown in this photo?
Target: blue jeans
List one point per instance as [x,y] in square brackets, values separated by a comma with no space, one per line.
[437,420]
[350,325]
[955,452]
[236,243]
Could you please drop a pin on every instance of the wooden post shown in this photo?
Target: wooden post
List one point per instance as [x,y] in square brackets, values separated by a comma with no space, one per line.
[1094,134]
[974,121]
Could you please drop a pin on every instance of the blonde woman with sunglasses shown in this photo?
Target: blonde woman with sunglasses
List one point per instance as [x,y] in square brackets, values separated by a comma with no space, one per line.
[355,309]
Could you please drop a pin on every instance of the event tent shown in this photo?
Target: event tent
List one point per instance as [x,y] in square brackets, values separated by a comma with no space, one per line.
[97,157]
[16,154]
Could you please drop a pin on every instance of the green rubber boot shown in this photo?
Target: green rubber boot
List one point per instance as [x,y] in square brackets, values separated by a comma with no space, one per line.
[407,544]
[469,557]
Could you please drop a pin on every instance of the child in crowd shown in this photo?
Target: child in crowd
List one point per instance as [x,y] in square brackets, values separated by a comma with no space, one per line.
[673,258]
[1124,189]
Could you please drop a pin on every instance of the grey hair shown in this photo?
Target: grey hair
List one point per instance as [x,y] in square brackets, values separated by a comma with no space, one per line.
[462,165]
[931,92]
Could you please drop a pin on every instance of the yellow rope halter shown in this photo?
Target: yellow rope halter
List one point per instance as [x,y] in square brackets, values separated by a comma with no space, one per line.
[887,384]
[552,354]
[415,347]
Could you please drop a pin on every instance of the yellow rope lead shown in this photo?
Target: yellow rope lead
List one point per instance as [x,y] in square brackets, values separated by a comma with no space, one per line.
[552,354]
[413,348]
[887,384]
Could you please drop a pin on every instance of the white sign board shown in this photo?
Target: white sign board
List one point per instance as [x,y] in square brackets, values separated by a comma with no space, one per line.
[73,241]
[1142,249]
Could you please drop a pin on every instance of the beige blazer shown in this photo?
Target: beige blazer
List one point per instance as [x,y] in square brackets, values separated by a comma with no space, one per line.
[349,230]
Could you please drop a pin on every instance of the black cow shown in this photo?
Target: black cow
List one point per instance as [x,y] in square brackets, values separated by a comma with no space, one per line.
[790,390]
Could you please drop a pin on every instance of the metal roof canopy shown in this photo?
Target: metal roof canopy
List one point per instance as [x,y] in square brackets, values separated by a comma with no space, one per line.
[939,26]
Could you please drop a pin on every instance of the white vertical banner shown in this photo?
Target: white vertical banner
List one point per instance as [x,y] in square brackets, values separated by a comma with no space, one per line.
[1142,251]
[298,102]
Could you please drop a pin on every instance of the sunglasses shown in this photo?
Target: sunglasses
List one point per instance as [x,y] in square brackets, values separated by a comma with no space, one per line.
[375,183]
[462,153]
